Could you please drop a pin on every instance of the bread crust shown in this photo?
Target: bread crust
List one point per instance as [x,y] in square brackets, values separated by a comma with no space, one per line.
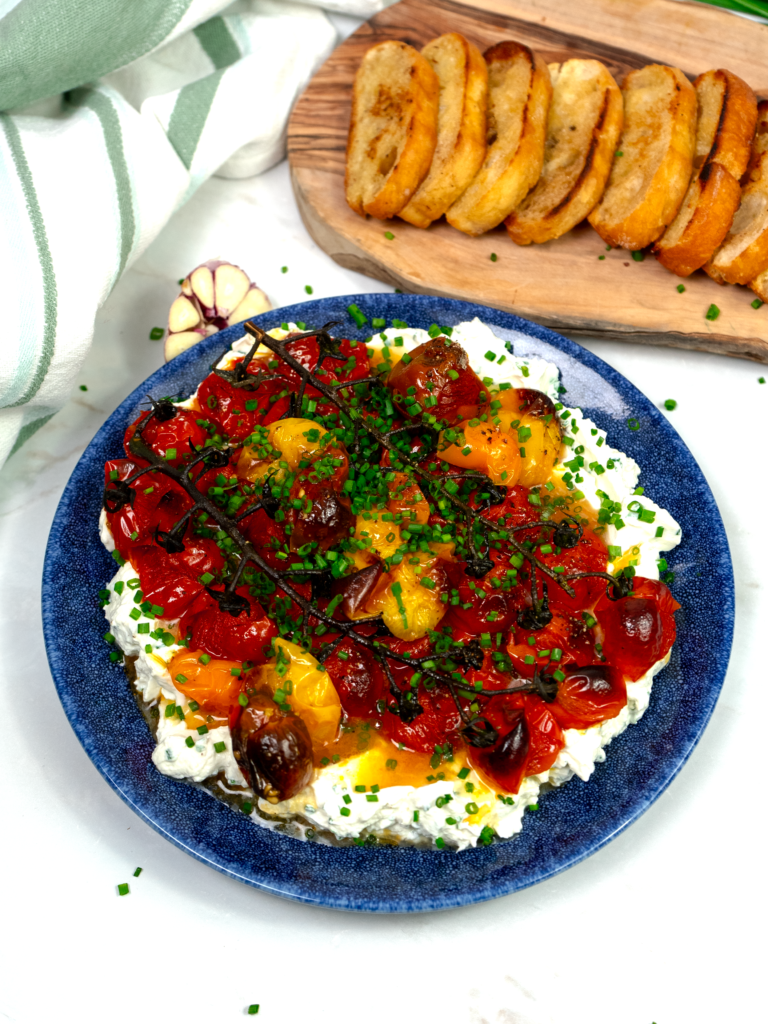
[519,93]
[393,130]
[461,127]
[727,112]
[743,256]
[649,180]
[583,128]
[760,285]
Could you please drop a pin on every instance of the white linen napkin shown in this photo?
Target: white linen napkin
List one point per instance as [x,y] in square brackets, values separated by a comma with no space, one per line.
[111,115]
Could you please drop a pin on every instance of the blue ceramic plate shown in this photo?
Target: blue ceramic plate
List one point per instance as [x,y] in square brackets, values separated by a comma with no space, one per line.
[571,823]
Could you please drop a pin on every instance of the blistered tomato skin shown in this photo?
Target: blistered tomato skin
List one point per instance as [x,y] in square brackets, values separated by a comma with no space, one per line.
[588,696]
[639,629]
[224,405]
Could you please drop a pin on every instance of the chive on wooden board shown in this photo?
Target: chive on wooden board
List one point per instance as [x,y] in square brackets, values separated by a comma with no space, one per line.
[563,284]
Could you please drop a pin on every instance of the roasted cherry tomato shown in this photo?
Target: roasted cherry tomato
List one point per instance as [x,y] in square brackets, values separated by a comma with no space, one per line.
[529,740]
[351,365]
[171,581]
[564,633]
[589,555]
[243,637]
[588,696]
[181,434]
[357,682]
[443,383]
[639,629]
[238,411]
[273,750]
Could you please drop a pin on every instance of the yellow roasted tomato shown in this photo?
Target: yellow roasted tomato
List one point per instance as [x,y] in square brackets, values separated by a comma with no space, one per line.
[408,598]
[298,679]
[487,448]
[291,441]
[531,417]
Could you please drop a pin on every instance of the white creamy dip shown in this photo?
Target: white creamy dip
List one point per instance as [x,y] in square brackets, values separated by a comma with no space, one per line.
[408,813]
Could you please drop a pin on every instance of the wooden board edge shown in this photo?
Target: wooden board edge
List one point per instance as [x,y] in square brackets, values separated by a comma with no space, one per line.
[352,257]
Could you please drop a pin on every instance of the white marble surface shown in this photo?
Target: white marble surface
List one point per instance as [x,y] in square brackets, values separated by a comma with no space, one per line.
[663,925]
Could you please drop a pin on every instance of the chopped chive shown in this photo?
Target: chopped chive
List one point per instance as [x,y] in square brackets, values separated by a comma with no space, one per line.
[283,270]
[670,404]
[357,315]
[83,387]
[242,700]
[202,730]
[308,289]
[220,746]
[254,1007]
[137,872]
[757,303]
[633,424]
[123,889]
[494,257]
[638,255]
[189,741]
[156,333]
[712,313]
[388,235]
[681,288]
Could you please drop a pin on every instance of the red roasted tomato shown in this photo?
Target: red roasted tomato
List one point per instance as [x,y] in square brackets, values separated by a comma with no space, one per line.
[238,411]
[588,696]
[357,682]
[639,629]
[171,582]
[243,637]
[179,434]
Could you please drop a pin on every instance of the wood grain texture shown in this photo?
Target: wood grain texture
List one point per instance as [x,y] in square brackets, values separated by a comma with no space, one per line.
[562,284]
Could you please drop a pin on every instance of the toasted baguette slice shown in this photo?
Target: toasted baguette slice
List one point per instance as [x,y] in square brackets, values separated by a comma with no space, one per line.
[585,120]
[519,92]
[393,130]
[654,160]
[726,124]
[461,127]
[743,256]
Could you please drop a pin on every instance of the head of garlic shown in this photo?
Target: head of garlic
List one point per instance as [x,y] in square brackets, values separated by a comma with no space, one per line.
[214,296]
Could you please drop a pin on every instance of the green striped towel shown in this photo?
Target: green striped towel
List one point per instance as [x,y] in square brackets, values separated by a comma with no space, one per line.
[111,115]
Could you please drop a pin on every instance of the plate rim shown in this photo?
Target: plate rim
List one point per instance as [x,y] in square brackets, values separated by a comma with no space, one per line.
[295,312]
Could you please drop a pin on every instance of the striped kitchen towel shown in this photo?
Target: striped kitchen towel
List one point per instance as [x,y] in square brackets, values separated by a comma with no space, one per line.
[111,115]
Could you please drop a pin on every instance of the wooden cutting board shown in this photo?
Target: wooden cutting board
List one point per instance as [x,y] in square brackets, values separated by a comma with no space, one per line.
[563,284]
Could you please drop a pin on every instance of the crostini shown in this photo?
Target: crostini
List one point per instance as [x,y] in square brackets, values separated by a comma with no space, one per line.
[461,127]
[654,159]
[519,93]
[393,131]
[585,120]
[743,256]
[727,112]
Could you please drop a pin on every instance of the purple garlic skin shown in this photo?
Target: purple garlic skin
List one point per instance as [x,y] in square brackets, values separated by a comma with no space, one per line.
[214,296]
